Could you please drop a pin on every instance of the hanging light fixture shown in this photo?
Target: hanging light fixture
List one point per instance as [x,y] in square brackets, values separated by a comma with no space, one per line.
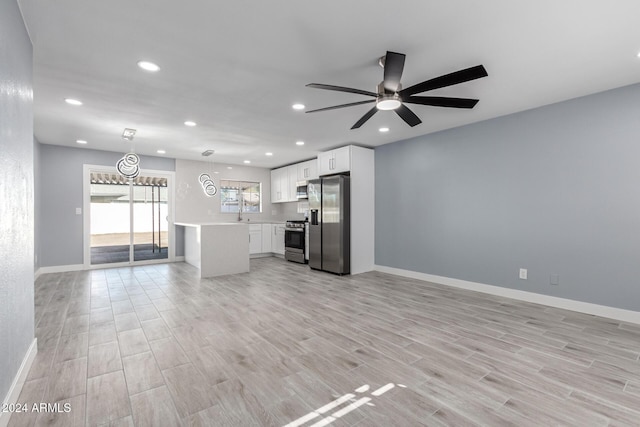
[205,179]
[129,165]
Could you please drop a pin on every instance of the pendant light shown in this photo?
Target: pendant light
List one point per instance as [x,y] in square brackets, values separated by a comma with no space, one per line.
[208,186]
[129,165]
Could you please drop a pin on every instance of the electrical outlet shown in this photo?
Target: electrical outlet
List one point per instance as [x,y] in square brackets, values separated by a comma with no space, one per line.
[554,279]
[78,211]
[523,273]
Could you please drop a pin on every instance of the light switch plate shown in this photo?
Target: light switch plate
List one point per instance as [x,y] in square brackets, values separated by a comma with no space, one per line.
[523,273]
[78,211]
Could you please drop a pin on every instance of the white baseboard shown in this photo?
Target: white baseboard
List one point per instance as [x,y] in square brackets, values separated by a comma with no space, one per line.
[80,267]
[18,381]
[564,303]
[60,268]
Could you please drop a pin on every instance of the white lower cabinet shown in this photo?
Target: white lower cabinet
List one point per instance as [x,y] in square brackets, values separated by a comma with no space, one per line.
[267,233]
[277,245]
[255,239]
[266,239]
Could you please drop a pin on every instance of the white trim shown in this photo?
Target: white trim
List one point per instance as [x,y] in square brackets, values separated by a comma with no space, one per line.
[564,303]
[81,267]
[60,268]
[18,381]
[37,274]
[86,232]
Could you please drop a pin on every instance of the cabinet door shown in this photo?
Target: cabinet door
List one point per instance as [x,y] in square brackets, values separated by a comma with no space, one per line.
[267,232]
[302,168]
[325,162]
[255,241]
[292,178]
[275,186]
[342,160]
[312,169]
[279,185]
[308,170]
[278,242]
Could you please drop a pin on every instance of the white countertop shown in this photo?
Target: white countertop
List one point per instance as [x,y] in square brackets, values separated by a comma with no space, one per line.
[198,224]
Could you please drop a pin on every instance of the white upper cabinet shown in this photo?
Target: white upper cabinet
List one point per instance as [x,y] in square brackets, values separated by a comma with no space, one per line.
[280,185]
[307,170]
[334,161]
[292,178]
[283,180]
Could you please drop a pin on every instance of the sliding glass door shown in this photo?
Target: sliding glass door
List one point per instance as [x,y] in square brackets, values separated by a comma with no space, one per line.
[150,225]
[128,220]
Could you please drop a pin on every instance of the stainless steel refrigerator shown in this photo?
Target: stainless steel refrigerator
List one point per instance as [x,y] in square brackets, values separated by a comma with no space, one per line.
[329,232]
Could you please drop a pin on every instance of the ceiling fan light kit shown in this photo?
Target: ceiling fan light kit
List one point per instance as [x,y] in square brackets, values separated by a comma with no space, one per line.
[391,96]
[386,103]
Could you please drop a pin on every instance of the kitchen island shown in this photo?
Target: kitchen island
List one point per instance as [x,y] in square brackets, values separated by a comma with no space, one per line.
[217,248]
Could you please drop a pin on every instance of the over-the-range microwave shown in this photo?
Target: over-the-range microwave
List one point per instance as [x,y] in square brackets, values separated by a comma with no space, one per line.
[301,190]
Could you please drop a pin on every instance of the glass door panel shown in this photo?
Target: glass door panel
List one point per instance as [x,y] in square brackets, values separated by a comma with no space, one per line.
[128,220]
[110,219]
[150,213]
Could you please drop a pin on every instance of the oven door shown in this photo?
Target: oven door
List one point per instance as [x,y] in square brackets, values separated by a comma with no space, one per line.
[294,238]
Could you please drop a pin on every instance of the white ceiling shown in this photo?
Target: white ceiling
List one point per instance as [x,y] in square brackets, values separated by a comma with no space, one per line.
[236,67]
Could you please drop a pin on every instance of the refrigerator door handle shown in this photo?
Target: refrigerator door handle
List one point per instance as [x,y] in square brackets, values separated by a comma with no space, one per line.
[314,216]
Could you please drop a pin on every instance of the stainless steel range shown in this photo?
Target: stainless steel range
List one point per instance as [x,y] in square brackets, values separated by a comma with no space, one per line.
[295,241]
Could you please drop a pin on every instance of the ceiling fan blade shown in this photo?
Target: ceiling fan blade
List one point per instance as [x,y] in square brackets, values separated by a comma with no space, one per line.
[440,101]
[342,106]
[341,89]
[364,118]
[393,67]
[447,80]
[407,115]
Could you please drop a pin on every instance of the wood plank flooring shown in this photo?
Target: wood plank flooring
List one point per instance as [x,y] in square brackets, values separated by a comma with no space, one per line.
[284,345]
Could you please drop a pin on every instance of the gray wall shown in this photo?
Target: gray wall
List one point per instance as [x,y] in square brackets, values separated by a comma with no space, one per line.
[37,206]
[16,194]
[555,190]
[61,169]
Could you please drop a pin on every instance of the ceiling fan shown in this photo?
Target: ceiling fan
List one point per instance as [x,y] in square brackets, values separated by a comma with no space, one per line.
[391,96]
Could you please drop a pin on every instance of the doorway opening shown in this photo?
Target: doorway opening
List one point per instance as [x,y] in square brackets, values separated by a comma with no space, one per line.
[128,219]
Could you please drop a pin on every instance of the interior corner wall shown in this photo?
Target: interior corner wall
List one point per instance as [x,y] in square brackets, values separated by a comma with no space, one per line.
[37,208]
[16,195]
[61,230]
[555,190]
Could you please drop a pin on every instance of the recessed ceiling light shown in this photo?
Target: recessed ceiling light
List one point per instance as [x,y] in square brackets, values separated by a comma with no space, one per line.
[161,152]
[299,142]
[638,54]
[268,154]
[298,106]
[216,172]
[229,167]
[81,141]
[247,161]
[190,123]
[148,66]
[72,101]
[383,130]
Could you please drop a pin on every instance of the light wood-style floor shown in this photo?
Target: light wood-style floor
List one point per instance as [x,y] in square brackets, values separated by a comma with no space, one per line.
[157,346]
